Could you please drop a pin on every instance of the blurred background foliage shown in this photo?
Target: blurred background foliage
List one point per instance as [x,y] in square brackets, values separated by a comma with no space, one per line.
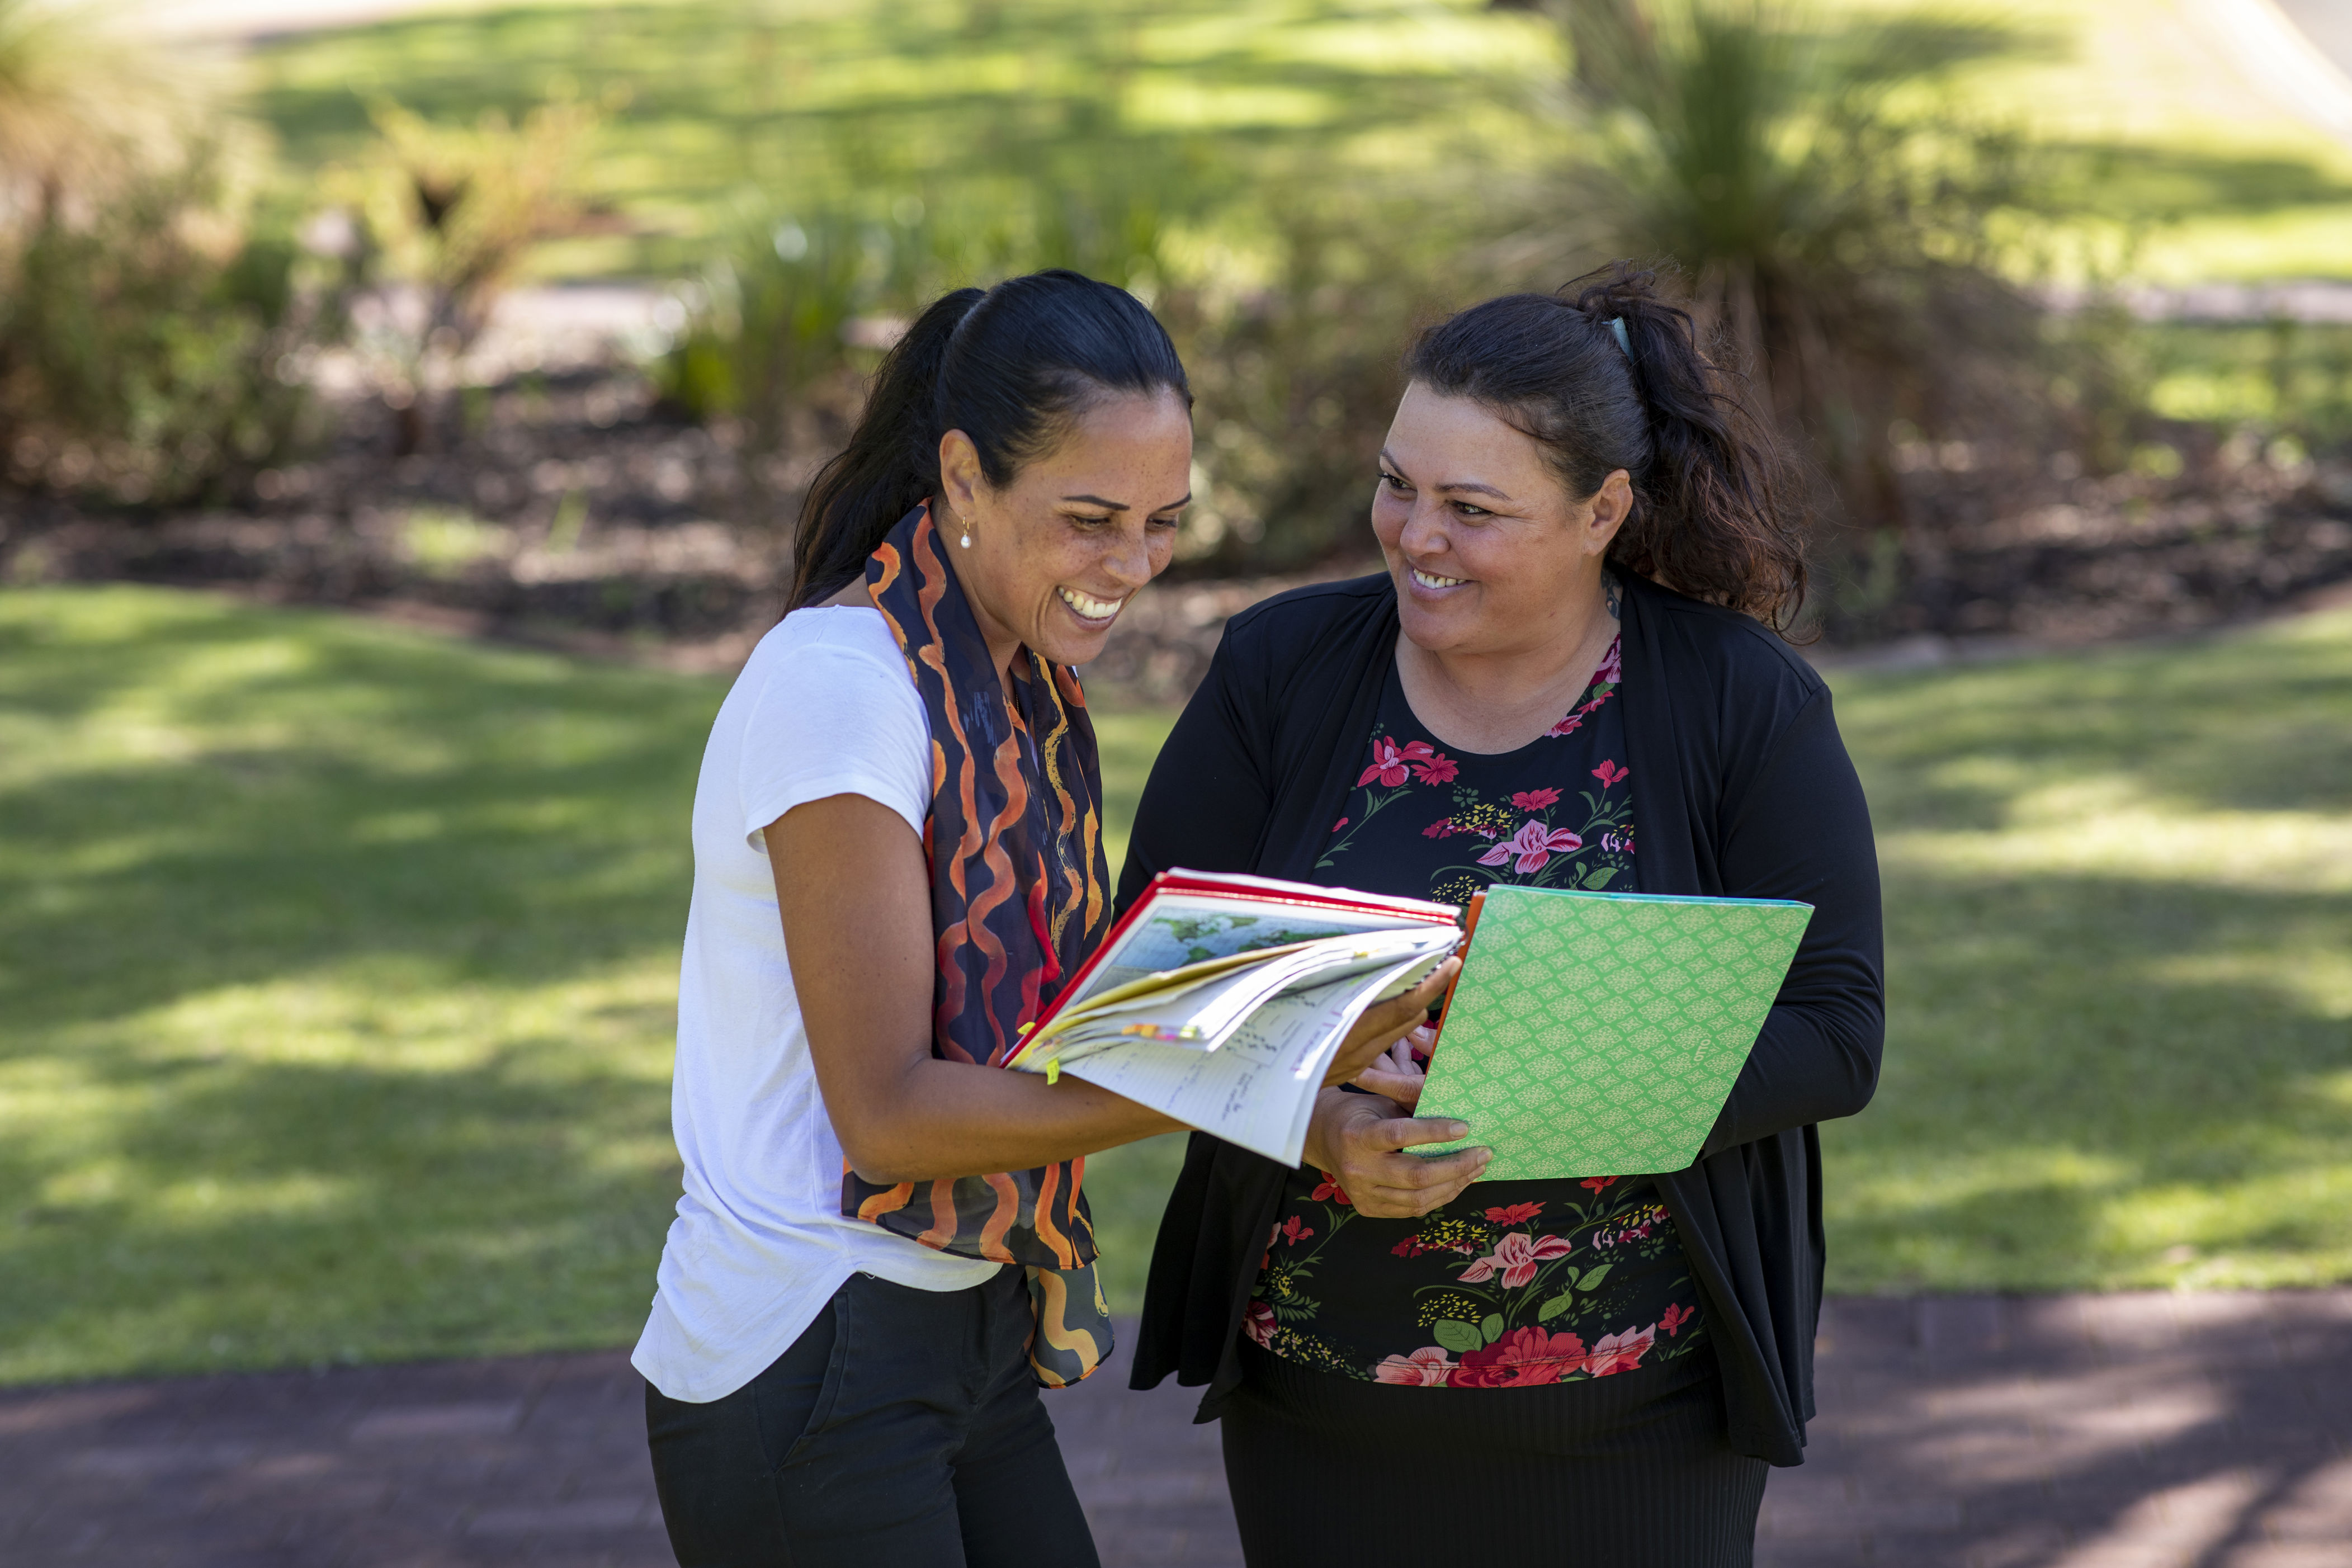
[1870,206]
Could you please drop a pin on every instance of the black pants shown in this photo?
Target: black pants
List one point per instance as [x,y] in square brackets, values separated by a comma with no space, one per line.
[901,1429]
[1626,1471]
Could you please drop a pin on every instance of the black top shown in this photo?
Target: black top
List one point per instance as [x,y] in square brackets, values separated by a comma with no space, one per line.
[1746,791]
[1513,1284]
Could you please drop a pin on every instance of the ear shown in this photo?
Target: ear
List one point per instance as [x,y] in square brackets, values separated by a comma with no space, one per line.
[1613,503]
[960,478]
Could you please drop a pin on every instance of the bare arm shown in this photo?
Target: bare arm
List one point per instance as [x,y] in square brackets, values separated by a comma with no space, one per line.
[854,893]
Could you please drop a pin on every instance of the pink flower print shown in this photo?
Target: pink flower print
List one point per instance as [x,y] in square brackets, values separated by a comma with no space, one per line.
[1258,1324]
[1613,666]
[1523,1358]
[1567,726]
[1534,799]
[1441,828]
[1328,1188]
[1339,825]
[1597,1183]
[1516,1257]
[1391,760]
[1517,1213]
[1533,844]
[1611,775]
[1439,769]
[1293,1232]
[1674,1317]
[1410,1247]
[1424,1368]
[1615,1352]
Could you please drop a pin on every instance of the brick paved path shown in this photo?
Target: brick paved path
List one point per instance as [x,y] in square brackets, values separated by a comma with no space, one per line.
[2072,1432]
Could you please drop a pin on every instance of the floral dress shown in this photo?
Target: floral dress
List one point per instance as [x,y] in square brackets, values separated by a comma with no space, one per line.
[1513,1283]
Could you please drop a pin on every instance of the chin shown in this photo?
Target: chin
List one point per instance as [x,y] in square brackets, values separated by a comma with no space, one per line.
[1071,649]
[1435,627]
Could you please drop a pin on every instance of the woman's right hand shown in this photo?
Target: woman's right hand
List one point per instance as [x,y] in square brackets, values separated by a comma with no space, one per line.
[1357,1139]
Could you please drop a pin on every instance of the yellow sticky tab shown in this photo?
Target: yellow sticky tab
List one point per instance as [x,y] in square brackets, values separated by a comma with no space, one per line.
[1022,1030]
[1053,1071]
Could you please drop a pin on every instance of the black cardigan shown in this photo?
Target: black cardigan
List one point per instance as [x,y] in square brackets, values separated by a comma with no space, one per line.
[1742,788]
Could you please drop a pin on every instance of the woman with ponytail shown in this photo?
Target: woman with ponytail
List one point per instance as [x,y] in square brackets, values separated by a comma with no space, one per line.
[883,1248]
[1568,676]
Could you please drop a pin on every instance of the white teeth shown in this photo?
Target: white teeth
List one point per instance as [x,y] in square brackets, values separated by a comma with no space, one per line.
[1430,580]
[1090,609]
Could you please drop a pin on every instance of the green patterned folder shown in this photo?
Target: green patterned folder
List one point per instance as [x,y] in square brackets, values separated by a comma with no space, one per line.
[1599,1033]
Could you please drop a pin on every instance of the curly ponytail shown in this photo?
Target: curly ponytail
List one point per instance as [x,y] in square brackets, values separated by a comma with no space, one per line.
[1713,514]
[1010,367]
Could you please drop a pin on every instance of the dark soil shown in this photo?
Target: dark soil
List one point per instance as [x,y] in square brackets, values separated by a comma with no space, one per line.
[574,510]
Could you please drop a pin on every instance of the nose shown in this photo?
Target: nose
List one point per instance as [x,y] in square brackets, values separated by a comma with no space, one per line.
[1127,558]
[1425,528]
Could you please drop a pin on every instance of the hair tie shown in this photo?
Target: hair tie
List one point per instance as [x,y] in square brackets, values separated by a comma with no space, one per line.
[1617,325]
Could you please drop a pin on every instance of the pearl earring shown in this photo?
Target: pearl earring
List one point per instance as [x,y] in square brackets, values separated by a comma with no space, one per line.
[967,539]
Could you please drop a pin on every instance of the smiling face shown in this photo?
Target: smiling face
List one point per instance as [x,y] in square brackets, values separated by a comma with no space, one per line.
[1490,553]
[1058,552]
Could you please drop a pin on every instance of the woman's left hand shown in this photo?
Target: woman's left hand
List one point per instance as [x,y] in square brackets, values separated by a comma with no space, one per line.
[1386,1023]
[1395,1073]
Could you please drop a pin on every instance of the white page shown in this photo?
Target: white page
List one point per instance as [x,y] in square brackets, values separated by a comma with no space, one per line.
[1258,1091]
[1218,1006]
[1186,928]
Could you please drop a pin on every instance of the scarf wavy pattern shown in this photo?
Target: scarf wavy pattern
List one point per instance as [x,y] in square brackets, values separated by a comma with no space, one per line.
[1018,896]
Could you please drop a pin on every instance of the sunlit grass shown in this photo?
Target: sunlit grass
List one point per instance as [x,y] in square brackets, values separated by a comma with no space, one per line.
[338,964]
[2199,171]
[337,967]
[2119,916]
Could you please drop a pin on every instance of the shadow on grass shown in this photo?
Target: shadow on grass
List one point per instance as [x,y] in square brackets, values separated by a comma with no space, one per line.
[337,968]
[319,790]
[338,965]
[720,98]
[2247,723]
[2095,1083]
[268,1215]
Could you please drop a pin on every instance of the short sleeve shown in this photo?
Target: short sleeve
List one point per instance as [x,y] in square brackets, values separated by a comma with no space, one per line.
[837,714]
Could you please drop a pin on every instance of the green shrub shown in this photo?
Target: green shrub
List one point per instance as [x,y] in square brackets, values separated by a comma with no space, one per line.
[140,363]
[1835,225]
[1295,382]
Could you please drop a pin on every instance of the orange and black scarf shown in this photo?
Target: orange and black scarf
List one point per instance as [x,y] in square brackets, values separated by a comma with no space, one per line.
[1019,895]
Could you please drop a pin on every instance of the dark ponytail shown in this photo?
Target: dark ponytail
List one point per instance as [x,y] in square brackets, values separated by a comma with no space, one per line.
[1011,367]
[1713,514]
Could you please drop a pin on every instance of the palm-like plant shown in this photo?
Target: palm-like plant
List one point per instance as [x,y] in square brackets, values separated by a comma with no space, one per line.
[85,102]
[1833,230]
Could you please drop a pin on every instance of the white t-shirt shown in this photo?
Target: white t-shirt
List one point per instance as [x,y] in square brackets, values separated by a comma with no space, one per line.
[760,1244]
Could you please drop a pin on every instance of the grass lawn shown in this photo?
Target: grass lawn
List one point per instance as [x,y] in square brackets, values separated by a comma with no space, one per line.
[337,973]
[336,966]
[729,109]
[2119,968]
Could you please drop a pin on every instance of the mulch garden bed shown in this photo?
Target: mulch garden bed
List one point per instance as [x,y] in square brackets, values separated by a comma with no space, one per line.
[574,510]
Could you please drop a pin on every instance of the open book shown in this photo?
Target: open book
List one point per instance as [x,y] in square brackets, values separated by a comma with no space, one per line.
[1222,1000]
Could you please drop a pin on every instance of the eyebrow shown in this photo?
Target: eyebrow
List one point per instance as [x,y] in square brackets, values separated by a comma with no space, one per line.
[1185,499]
[1470,485]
